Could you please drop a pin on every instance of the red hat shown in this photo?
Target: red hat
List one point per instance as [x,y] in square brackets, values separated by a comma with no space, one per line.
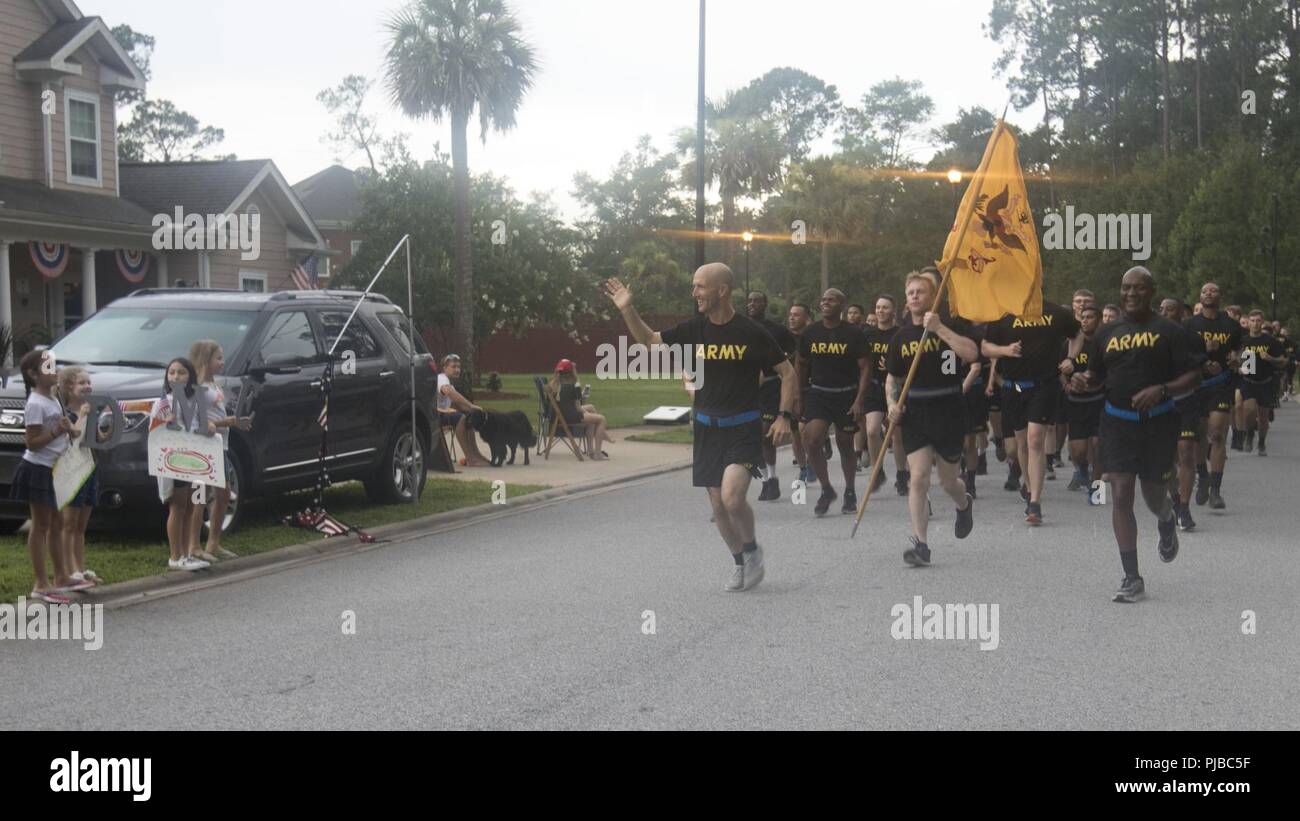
[564,365]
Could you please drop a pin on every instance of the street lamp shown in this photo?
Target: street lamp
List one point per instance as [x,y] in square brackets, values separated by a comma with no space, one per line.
[1270,236]
[954,177]
[748,237]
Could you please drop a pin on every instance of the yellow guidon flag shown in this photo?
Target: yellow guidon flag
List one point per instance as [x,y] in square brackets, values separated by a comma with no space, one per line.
[991,255]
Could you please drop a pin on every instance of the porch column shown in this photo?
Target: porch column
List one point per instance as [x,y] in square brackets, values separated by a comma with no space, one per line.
[6,300]
[162,270]
[87,282]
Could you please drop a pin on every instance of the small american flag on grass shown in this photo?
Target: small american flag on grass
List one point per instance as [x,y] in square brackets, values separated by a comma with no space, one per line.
[304,275]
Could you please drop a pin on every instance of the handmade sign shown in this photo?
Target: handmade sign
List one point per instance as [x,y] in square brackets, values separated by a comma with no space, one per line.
[187,457]
[74,467]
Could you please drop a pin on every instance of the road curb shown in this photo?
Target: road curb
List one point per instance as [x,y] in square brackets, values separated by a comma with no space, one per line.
[173,583]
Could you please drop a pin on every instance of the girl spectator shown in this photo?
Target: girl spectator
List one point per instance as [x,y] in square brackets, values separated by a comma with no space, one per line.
[209,360]
[46,437]
[564,387]
[74,387]
[180,376]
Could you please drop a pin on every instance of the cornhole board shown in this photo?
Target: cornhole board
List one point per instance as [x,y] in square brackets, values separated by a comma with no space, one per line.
[667,415]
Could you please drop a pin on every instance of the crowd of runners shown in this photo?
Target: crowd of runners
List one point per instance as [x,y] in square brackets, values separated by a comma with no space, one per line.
[1149,397]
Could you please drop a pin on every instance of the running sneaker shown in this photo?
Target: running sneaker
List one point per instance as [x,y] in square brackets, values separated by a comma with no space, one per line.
[824,501]
[965,519]
[737,581]
[1079,480]
[1262,450]
[1034,513]
[879,483]
[850,505]
[1130,590]
[195,564]
[1168,539]
[1051,471]
[753,568]
[771,490]
[1202,491]
[1216,500]
[1185,521]
[918,555]
[982,466]
[1012,482]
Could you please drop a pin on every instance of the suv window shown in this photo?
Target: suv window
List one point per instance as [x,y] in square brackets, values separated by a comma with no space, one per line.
[358,338]
[288,340]
[397,327]
[140,334]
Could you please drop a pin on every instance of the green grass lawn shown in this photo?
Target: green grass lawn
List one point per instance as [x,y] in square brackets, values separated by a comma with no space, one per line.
[119,556]
[680,435]
[623,402]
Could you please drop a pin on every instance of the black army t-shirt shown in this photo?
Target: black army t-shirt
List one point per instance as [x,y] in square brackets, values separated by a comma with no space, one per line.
[1087,353]
[1219,336]
[877,349]
[1040,340]
[931,372]
[1259,346]
[1138,354]
[732,356]
[832,354]
[784,339]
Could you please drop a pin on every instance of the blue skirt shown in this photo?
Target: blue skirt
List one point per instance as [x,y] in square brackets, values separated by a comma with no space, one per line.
[88,494]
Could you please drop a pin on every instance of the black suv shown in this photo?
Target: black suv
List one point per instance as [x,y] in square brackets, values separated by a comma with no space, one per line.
[276,345]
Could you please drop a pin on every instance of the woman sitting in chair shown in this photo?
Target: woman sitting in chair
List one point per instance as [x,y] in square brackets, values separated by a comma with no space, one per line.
[564,387]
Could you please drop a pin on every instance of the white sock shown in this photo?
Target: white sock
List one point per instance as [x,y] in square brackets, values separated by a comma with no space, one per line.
[771,470]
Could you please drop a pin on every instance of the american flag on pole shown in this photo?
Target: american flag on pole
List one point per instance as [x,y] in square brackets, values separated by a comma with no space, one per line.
[304,274]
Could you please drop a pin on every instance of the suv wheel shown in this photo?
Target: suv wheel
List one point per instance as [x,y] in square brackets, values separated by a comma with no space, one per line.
[235,508]
[391,481]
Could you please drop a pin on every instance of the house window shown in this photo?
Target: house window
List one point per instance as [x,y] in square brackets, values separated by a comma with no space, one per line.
[83,138]
[252,282]
[356,246]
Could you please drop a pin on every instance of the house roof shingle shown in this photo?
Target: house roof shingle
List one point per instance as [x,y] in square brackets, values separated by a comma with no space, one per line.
[33,197]
[332,195]
[202,187]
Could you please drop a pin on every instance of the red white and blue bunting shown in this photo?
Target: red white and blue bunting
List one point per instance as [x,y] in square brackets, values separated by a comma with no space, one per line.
[50,258]
[134,265]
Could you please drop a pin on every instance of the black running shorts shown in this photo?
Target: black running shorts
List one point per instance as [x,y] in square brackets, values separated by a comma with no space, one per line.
[1190,413]
[1036,404]
[716,448]
[831,407]
[1147,449]
[1264,393]
[977,409]
[938,423]
[769,399]
[1083,418]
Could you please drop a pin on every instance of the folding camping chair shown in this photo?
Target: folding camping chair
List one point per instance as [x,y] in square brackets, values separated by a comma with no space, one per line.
[551,420]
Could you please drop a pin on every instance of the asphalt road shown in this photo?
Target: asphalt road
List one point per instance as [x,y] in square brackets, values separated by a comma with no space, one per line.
[535,621]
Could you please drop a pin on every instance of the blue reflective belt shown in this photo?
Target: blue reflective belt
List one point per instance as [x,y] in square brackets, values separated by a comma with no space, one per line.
[1217,379]
[1135,416]
[727,421]
[1022,385]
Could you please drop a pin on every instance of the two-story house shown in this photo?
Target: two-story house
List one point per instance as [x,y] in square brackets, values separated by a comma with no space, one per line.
[78,228]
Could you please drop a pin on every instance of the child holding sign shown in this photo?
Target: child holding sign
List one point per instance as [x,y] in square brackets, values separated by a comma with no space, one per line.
[209,360]
[179,385]
[74,387]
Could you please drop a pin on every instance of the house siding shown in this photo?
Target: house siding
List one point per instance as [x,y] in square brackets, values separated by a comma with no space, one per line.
[21,136]
[274,260]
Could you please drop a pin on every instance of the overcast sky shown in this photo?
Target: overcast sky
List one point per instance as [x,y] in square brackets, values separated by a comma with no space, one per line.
[611,70]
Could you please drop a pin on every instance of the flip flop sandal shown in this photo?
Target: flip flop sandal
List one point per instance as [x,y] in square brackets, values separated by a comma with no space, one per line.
[84,584]
[50,597]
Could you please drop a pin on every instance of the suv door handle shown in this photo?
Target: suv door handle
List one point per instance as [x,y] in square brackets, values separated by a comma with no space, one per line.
[387,373]
[315,383]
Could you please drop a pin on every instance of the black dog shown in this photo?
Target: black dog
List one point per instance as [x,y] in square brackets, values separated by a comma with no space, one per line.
[504,430]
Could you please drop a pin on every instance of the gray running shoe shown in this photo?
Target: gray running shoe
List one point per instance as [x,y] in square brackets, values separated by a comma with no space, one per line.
[1130,590]
[753,568]
[737,581]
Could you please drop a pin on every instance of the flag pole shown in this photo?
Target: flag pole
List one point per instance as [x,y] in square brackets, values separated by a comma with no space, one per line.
[944,276]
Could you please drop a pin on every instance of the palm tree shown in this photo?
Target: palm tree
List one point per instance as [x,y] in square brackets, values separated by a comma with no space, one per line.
[449,57]
[828,197]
